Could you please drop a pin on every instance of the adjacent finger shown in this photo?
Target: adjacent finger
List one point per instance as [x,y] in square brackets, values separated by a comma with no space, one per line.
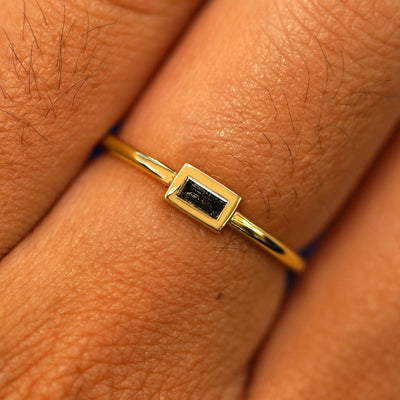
[68,71]
[163,306]
[339,336]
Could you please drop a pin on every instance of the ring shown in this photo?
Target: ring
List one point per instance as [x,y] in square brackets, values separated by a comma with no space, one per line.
[204,199]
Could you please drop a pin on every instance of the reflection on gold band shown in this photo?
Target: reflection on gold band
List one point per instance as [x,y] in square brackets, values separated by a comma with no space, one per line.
[267,242]
[145,163]
[175,182]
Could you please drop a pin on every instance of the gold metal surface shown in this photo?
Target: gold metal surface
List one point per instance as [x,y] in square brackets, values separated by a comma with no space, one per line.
[268,242]
[140,160]
[228,214]
[211,184]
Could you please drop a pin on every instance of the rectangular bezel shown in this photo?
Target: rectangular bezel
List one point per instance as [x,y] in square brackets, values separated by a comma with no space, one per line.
[207,192]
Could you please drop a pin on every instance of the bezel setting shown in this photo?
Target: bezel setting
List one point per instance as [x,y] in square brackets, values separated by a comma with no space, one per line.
[208,193]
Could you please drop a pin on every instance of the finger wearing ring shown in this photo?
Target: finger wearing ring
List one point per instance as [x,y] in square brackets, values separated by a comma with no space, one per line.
[204,199]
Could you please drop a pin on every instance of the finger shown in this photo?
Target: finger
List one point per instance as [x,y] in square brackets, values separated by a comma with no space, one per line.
[163,295]
[68,71]
[339,336]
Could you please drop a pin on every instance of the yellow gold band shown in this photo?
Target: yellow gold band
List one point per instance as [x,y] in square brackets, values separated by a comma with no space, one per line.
[204,199]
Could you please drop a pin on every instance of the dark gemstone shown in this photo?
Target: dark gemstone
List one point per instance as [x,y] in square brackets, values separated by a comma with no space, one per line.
[202,198]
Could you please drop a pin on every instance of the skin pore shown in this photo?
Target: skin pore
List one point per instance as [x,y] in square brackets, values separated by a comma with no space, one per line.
[114,294]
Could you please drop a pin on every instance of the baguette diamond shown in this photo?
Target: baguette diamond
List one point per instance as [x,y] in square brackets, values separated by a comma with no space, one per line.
[202,198]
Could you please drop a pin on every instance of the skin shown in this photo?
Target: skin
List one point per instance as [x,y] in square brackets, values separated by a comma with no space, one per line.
[351,303]
[114,294]
[109,51]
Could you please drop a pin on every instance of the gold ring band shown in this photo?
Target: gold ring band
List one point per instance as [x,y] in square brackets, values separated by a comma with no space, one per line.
[204,199]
